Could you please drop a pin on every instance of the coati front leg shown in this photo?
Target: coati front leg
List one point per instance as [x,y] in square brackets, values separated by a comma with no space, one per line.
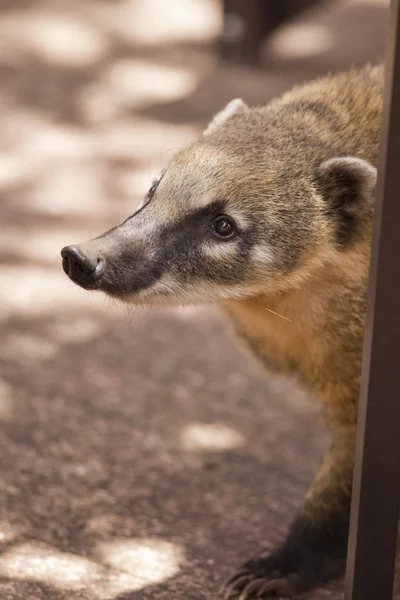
[315,549]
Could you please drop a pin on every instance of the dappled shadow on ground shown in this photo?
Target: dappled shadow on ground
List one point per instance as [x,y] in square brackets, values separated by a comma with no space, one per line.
[113,438]
[142,457]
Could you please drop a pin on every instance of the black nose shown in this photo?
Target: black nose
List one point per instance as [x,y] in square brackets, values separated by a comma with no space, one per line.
[84,266]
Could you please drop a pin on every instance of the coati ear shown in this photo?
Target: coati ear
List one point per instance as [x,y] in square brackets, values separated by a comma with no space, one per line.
[233,107]
[348,185]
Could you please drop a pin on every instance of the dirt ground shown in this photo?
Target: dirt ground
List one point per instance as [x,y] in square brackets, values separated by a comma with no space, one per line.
[142,455]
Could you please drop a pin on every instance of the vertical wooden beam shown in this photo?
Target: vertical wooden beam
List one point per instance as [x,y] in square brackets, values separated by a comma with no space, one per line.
[376,491]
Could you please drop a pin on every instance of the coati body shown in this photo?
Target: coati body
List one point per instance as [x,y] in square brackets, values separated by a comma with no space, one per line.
[269,215]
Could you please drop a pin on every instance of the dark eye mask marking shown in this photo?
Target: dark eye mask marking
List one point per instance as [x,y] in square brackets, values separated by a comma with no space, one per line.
[178,251]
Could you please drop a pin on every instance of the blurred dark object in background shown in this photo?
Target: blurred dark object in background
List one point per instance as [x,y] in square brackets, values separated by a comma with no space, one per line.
[246,24]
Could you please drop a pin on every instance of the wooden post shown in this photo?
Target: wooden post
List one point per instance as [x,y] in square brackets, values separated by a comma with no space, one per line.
[376,491]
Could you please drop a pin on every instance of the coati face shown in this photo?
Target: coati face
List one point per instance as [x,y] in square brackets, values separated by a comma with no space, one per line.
[249,208]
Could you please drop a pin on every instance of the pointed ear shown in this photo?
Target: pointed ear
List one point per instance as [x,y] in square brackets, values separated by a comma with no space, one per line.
[232,108]
[347,185]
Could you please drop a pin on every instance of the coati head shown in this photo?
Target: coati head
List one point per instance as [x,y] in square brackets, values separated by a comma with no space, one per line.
[252,207]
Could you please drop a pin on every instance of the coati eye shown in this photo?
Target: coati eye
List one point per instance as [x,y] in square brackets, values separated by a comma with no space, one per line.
[224,227]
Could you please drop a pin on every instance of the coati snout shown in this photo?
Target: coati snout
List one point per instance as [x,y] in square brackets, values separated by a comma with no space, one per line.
[269,214]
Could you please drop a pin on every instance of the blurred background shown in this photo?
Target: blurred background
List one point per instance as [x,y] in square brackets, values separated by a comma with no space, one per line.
[142,455]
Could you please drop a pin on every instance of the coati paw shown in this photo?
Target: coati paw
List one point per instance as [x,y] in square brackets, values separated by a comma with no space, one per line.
[248,586]
[263,578]
[308,558]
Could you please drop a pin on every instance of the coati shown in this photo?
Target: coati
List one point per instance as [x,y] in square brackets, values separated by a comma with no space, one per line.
[269,215]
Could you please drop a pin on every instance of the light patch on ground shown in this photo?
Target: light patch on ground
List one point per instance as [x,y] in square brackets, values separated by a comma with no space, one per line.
[44,246]
[301,41]
[38,562]
[131,84]
[9,532]
[30,291]
[125,565]
[70,189]
[210,437]
[28,346]
[13,169]
[56,37]
[133,185]
[42,346]
[180,20]
[144,140]
[30,146]
[149,561]
[75,331]
[36,141]
[64,40]
[137,83]
[375,2]
[6,408]
[60,142]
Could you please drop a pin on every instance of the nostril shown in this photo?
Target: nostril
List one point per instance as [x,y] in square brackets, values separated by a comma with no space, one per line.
[82,264]
[64,254]
[66,262]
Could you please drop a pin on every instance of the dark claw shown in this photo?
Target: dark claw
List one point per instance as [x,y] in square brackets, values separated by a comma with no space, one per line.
[262,590]
[227,584]
[237,586]
[281,587]
[243,586]
[265,588]
[273,585]
[251,588]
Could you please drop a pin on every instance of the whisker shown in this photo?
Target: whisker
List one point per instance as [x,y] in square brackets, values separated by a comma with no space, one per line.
[278,315]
